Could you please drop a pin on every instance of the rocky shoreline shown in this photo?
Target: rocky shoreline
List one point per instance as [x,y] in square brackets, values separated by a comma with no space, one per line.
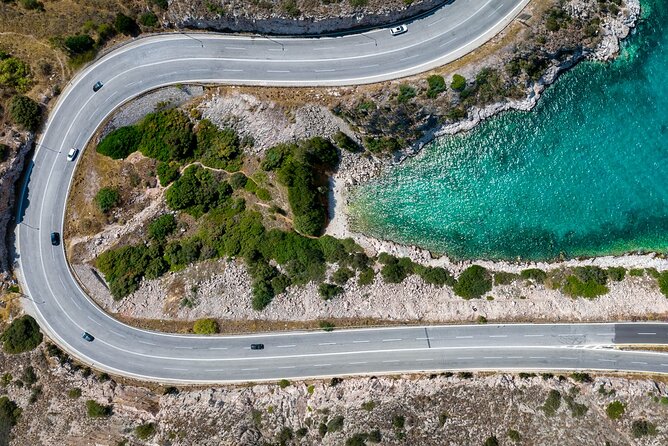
[355,170]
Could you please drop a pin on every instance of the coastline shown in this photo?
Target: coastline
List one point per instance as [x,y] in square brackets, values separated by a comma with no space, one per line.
[355,170]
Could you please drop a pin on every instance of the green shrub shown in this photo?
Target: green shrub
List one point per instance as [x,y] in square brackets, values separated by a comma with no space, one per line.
[196,191]
[366,277]
[491,441]
[335,424]
[326,326]
[166,136]
[537,275]
[145,431]
[238,180]
[358,3]
[283,383]
[385,144]
[616,274]
[663,283]
[581,377]
[458,82]
[434,275]
[14,74]
[504,278]
[342,275]
[290,8]
[514,435]
[329,291]
[578,410]
[25,112]
[263,194]
[398,421]
[162,4]
[436,85]
[206,326]
[637,272]
[642,428]
[22,335]
[79,44]
[126,25]
[406,93]
[120,143]
[576,288]
[552,403]
[97,410]
[374,436]
[148,19]
[218,148]
[615,410]
[10,413]
[301,432]
[29,377]
[107,198]
[162,226]
[74,393]
[345,142]
[368,405]
[395,270]
[473,282]
[358,439]
[124,267]
[32,5]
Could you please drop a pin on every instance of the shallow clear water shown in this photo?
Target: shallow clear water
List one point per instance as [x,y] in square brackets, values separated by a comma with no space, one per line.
[585,173]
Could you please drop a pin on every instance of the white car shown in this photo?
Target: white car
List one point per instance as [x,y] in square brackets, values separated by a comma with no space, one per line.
[398,30]
[72,154]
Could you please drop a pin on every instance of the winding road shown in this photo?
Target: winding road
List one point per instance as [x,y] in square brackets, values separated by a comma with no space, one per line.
[64,311]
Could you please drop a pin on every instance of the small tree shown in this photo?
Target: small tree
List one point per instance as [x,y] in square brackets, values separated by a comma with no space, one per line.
[458,82]
[328,290]
[473,282]
[206,326]
[642,428]
[25,112]
[436,85]
[162,226]
[107,198]
[126,25]
[22,335]
[97,410]
[145,431]
[615,410]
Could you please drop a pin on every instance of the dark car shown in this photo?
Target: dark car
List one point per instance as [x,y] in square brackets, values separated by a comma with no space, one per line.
[87,336]
[257,346]
[97,86]
[55,239]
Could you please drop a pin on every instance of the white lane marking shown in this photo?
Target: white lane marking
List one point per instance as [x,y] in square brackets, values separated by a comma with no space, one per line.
[278,71]
[324,48]
[321,365]
[236,48]
[410,57]
[638,362]
[200,70]
[286,346]
[117,333]
[133,84]
[91,319]
[287,367]
[230,70]
[436,21]
[327,343]
[184,348]
[607,360]
[446,43]
[369,66]
[498,336]
[217,348]
[75,302]
[466,357]
[424,359]
[567,334]
[360,342]
[566,357]
[214,370]
[364,43]
[665,365]
[358,362]
[646,333]
[275,49]
[175,368]
[605,334]
[492,357]
[324,71]
[391,340]
[391,360]
[249,370]
[536,357]
[421,339]
[463,337]
[146,342]
[514,357]
[533,336]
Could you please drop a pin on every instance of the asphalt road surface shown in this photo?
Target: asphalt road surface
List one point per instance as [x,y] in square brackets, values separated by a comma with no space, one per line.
[64,311]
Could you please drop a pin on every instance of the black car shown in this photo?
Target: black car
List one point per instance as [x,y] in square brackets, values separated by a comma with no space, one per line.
[87,336]
[97,86]
[257,346]
[55,239]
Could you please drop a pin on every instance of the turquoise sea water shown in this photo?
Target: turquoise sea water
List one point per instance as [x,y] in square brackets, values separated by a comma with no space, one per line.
[583,174]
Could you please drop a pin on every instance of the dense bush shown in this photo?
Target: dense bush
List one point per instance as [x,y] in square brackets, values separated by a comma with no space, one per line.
[514,435]
[148,19]
[25,112]
[406,93]
[537,275]
[342,275]
[616,274]
[366,277]
[335,424]
[504,278]
[14,74]
[217,148]
[642,428]
[145,431]
[197,191]
[663,283]
[436,85]
[615,410]
[491,441]
[79,44]
[328,290]
[206,326]
[303,169]
[395,270]
[238,180]
[10,413]
[107,198]
[162,226]
[385,144]
[97,410]
[126,25]
[123,268]
[120,143]
[345,142]
[458,82]
[166,136]
[434,275]
[473,282]
[22,335]
[162,4]
[575,287]
[74,393]
[552,403]
[167,172]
